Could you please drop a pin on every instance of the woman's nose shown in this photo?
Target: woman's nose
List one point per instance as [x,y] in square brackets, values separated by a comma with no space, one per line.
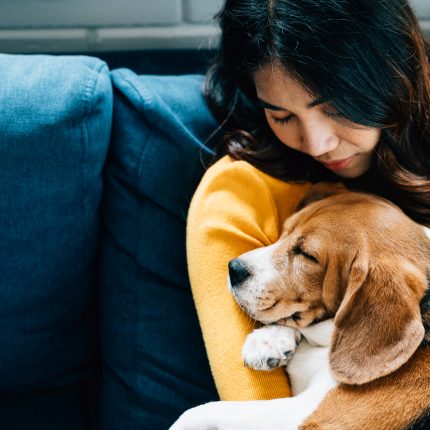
[318,139]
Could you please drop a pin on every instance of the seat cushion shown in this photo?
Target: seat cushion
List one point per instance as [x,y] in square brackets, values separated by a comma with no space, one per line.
[55,120]
[155,364]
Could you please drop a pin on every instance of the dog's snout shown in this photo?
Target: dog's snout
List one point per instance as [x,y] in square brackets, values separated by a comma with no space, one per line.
[238,272]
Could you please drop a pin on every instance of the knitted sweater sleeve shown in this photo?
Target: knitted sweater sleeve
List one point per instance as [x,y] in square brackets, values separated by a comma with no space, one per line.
[232,212]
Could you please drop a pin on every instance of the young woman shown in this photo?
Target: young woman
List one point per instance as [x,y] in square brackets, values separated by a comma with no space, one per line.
[307,91]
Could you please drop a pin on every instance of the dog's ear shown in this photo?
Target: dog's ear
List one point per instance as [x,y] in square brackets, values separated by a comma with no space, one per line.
[320,191]
[378,326]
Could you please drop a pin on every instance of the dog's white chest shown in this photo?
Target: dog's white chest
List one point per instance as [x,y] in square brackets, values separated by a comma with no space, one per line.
[307,362]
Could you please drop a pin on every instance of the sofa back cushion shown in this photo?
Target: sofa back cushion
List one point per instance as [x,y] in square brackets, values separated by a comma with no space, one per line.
[55,121]
[155,364]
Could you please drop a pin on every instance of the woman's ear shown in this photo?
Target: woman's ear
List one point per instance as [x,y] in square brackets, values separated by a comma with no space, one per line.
[320,191]
[378,326]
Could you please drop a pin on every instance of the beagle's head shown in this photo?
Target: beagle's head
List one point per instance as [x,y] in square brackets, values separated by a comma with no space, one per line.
[350,255]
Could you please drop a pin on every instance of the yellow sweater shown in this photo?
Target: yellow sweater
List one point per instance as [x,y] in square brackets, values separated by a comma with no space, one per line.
[236,208]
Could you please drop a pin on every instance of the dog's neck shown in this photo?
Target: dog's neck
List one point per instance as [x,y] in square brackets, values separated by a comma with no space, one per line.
[425,303]
[318,334]
[425,312]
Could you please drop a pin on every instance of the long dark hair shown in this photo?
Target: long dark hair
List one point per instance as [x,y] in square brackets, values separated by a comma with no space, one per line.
[367,58]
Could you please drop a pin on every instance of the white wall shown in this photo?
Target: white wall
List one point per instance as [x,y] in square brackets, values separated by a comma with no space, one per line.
[106,25]
[422,8]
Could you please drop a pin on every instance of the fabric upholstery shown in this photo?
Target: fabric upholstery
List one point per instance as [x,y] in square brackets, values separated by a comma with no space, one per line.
[55,120]
[154,363]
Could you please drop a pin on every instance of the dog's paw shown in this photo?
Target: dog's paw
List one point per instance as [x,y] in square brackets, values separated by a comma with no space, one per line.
[222,415]
[270,346]
[203,417]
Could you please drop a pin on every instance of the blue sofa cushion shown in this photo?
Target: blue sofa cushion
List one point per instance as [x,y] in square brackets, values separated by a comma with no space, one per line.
[55,121]
[155,365]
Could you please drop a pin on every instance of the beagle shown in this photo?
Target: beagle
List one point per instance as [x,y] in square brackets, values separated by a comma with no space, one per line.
[350,272]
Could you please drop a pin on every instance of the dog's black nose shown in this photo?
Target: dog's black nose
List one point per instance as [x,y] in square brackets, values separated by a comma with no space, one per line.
[238,272]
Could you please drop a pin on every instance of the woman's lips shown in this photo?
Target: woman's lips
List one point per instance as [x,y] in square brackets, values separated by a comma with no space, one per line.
[339,165]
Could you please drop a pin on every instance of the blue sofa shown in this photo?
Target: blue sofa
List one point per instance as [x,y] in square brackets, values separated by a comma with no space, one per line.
[97,325]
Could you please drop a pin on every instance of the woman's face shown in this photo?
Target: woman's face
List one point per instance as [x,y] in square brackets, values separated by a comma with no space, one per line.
[344,148]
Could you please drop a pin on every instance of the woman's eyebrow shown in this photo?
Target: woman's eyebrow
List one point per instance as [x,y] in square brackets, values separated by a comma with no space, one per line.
[316,102]
[267,105]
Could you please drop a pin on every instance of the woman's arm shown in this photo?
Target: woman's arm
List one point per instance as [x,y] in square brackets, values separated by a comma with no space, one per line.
[232,211]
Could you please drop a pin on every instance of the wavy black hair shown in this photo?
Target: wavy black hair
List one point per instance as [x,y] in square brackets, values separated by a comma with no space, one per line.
[368,59]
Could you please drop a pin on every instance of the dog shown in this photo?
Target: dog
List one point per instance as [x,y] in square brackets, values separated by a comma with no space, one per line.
[356,265]
[307,364]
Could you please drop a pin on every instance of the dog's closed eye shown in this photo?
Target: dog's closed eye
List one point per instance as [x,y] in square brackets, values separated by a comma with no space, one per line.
[298,250]
[296,316]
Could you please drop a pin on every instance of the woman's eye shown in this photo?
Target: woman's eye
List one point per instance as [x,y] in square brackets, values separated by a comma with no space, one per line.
[285,120]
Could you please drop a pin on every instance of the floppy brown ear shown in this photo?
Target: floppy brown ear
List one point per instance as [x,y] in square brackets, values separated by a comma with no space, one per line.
[378,326]
[320,191]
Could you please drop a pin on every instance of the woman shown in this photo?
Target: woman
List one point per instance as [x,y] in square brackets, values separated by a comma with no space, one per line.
[307,91]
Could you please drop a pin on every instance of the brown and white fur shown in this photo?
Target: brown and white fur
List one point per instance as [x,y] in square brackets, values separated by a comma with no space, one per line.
[351,272]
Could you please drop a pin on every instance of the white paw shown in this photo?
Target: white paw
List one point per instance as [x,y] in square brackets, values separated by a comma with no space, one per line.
[220,416]
[270,346]
[198,418]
